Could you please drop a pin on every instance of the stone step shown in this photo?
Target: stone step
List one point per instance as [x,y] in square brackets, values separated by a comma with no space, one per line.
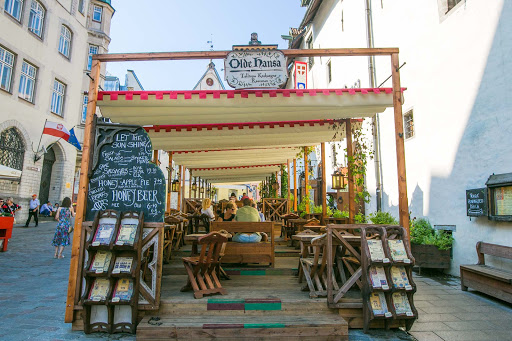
[284,327]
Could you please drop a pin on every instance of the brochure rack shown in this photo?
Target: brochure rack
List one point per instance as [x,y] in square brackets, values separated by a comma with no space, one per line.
[111,273]
[388,287]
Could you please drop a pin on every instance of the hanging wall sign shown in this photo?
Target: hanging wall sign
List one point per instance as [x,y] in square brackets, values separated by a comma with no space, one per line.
[255,69]
[476,202]
[123,178]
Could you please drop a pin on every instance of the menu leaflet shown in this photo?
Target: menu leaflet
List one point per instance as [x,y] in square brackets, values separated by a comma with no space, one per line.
[101,261]
[398,251]
[123,290]
[378,277]
[399,278]
[378,303]
[126,234]
[99,289]
[104,234]
[401,303]
[376,250]
[122,265]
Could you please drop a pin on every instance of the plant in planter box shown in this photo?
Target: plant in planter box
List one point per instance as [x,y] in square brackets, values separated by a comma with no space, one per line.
[430,248]
[383,218]
[340,214]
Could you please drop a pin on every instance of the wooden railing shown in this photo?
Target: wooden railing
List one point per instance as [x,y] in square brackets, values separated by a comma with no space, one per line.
[274,208]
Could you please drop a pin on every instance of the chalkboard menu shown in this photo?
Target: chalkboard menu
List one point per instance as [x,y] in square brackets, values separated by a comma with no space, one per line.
[476,202]
[123,178]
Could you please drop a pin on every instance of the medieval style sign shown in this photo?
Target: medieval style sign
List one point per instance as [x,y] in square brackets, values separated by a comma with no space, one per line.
[255,69]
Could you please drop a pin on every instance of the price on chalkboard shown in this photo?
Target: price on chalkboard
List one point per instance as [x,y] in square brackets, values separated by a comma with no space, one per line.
[476,202]
[123,178]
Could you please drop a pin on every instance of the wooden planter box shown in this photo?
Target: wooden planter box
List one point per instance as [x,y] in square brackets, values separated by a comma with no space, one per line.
[6,224]
[429,256]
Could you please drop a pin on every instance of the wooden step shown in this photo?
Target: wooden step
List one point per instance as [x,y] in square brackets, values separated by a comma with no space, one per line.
[298,327]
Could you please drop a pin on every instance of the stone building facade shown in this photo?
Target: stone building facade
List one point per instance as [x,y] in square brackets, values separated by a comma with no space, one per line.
[44,57]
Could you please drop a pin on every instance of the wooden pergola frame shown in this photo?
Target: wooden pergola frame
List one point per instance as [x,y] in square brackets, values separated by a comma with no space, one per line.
[291,53]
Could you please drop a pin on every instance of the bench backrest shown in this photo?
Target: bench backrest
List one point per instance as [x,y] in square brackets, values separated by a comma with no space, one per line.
[243,227]
[493,250]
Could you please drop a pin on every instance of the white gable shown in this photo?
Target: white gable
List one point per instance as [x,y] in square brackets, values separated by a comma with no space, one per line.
[210,80]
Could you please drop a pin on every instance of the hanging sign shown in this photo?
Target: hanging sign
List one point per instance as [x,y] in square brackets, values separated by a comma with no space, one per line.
[255,69]
[301,75]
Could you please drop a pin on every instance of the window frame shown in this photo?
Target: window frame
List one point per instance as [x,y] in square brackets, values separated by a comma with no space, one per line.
[3,65]
[94,12]
[81,6]
[21,94]
[30,16]
[15,154]
[89,57]
[63,39]
[9,8]
[409,130]
[57,108]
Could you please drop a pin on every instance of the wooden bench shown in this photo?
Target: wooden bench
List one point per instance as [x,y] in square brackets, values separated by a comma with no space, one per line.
[262,252]
[487,279]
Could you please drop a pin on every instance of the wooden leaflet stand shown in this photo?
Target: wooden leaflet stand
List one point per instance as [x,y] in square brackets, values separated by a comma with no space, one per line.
[387,284]
[111,313]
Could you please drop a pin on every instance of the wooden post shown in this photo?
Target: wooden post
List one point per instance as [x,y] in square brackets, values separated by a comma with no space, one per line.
[182,187]
[306,179]
[351,189]
[278,186]
[180,172]
[155,157]
[295,185]
[189,184]
[324,184]
[169,184]
[403,205]
[289,191]
[195,190]
[82,192]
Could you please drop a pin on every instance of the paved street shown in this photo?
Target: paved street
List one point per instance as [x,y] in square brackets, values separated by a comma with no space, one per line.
[33,288]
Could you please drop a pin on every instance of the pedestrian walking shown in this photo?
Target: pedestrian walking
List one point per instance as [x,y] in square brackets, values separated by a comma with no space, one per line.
[33,210]
[61,237]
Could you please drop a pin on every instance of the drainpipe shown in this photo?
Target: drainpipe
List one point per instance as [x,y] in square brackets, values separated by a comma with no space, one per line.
[375,118]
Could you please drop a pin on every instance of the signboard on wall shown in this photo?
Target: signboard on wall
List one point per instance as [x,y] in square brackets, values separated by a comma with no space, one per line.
[476,202]
[301,75]
[255,69]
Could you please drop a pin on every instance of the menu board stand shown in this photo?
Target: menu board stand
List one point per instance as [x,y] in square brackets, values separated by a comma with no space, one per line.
[110,298]
[388,287]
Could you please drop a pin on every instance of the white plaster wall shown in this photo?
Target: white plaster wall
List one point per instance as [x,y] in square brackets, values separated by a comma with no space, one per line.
[456,76]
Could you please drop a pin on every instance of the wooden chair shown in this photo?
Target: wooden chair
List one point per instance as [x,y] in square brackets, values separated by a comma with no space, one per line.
[169,232]
[201,270]
[315,269]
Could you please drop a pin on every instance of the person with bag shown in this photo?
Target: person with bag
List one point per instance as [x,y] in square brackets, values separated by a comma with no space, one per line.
[64,228]
[10,207]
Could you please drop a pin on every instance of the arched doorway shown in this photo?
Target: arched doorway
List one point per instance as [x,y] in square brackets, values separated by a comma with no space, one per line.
[46,175]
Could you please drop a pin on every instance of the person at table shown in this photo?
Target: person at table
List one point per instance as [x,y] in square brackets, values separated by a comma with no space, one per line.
[262,217]
[244,196]
[232,197]
[249,214]
[46,209]
[229,214]
[207,209]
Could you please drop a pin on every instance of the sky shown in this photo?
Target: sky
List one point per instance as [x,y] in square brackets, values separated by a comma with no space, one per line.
[187,25]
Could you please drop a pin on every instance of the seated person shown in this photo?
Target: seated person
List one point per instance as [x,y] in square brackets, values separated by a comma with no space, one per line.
[207,209]
[46,209]
[55,208]
[249,214]
[244,196]
[229,215]
[262,217]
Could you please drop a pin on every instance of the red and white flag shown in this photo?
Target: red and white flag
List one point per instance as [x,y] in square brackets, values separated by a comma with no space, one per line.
[56,129]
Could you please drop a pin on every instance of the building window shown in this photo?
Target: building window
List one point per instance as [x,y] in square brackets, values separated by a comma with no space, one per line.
[409,124]
[65,41]
[84,108]
[14,7]
[57,97]
[93,49]
[27,81]
[309,45]
[6,65]
[12,149]
[96,13]
[36,18]
[329,72]
[81,6]
[451,4]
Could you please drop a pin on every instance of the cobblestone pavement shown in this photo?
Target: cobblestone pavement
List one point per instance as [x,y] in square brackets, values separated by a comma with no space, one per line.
[33,289]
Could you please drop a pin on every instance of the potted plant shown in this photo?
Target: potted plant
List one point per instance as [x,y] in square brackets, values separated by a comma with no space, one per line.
[431,248]
[6,223]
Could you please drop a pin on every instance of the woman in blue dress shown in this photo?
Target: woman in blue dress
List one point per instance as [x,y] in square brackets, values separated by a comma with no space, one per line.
[61,237]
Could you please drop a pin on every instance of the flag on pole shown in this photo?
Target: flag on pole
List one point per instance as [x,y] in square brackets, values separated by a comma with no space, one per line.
[73,140]
[56,129]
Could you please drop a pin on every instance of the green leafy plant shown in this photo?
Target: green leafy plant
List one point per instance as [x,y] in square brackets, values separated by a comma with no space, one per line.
[284,182]
[360,218]
[423,233]
[340,214]
[382,218]
[5,214]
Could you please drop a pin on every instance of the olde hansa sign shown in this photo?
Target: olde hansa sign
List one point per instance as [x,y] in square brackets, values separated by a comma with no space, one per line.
[255,69]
